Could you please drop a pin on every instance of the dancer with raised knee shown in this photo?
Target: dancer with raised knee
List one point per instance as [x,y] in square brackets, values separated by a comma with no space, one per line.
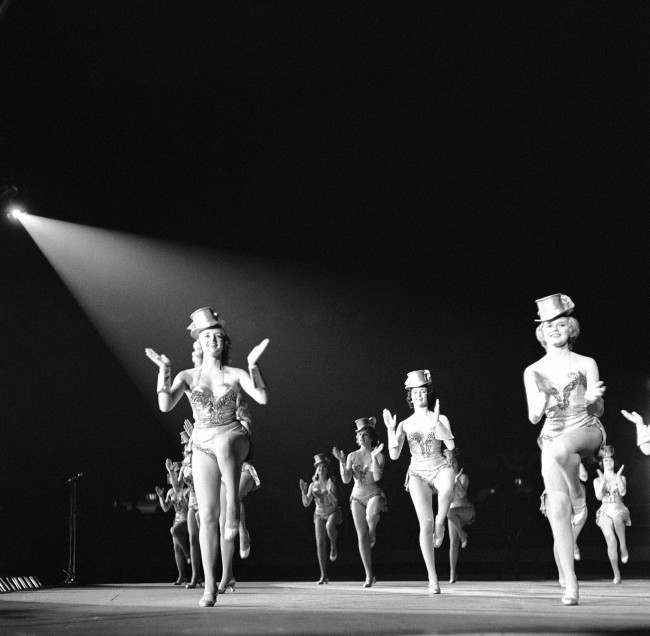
[429,472]
[564,388]
[221,438]
[367,501]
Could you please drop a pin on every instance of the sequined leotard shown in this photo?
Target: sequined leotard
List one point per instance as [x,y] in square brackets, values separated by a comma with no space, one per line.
[325,499]
[567,411]
[365,487]
[218,421]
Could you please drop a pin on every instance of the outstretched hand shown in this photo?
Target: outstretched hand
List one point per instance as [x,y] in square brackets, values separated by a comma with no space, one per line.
[256,352]
[620,470]
[189,427]
[390,420]
[169,464]
[543,384]
[303,486]
[600,473]
[159,491]
[458,474]
[159,359]
[436,411]
[633,417]
[339,454]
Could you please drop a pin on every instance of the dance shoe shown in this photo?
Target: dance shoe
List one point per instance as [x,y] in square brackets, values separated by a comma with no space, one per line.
[625,557]
[616,580]
[179,581]
[370,582]
[334,554]
[568,599]
[452,579]
[463,543]
[434,588]
[228,587]
[208,600]
[576,552]
[322,581]
[191,585]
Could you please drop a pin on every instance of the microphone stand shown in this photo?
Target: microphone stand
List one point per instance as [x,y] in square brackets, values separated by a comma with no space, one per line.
[71,572]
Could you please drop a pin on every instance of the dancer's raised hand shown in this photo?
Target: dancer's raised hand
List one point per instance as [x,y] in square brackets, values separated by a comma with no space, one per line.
[543,384]
[390,420]
[595,392]
[600,474]
[189,427]
[303,486]
[256,352]
[169,465]
[619,472]
[159,491]
[159,359]
[376,450]
[633,417]
[339,454]
[458,474]
[436,411]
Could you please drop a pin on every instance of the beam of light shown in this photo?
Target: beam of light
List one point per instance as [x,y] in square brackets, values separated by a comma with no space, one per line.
[16,213]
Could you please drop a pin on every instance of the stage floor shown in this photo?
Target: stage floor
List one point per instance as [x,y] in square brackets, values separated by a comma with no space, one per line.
[391,607]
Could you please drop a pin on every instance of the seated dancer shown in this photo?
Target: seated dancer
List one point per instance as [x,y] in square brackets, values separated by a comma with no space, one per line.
[221,438]
[564,387]
[367,500]
[429,471]
[248,482]
[461,513]
[613,515]
[577,523]
[642,431]
[177,497]
[192,507]
[327,515]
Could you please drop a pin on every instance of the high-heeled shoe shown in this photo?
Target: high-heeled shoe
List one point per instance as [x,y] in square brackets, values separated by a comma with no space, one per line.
[334,553]
[625,557]
[179,581]
[370,582]
[434,588]
[191,585]
[570,597]
[228,587]
[576,552]
[616,580]
[322,581]
[208,600]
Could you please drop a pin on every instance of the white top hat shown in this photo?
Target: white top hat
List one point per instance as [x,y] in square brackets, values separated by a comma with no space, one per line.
[203,318]
[365,422]
[552,306]
[417,378]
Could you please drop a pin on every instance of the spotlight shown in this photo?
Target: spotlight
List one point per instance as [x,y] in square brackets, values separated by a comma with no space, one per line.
[16,213]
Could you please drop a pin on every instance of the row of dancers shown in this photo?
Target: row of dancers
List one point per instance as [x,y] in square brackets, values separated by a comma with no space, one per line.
[562,388]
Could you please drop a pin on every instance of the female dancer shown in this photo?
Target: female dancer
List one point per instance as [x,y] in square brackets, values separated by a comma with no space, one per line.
[248,482]
[221,434]
[429,470]
[642,430]
[613,515]
[192,507]
[564,387]
[461,513]
[367,500]
[327,515]
[177,497]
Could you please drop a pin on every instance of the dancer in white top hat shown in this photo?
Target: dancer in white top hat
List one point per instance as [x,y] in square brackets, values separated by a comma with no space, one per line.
[564,387]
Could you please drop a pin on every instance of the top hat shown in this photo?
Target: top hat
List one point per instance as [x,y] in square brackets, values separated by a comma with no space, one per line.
[321,458]
[365,422]
[607,451]
[203,318]
[415,379]
[552,306]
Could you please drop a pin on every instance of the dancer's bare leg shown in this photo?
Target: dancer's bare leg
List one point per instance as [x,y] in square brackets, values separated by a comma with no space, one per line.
[454,546]
[422,502]
[333,534]
[560,462]
[195,548]
[207,484]
[321,547]
[363,537]
[607,526]
[246,485]
[445,486]
[455,521]
[179,552]
[373,514]
[227,547]
[560,573]
[619,528]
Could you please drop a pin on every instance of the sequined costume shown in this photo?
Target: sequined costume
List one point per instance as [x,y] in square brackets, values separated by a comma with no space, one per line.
[461,505]
[425,436]
[365,487]
[568,411]
[326,500]
[218,422]
[179,501]
[612,505]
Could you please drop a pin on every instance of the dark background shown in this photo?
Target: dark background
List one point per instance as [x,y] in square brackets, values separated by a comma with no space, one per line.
[422,172]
